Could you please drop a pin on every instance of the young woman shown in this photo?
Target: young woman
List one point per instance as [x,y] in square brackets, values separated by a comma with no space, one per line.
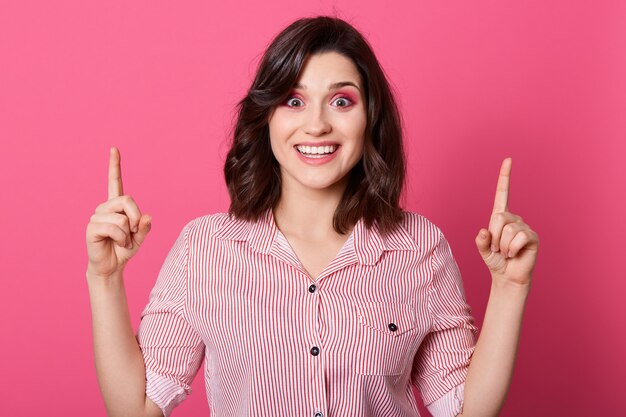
[316,294]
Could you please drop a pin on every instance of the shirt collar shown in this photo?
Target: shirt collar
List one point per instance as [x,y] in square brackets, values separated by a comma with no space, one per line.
[369,244]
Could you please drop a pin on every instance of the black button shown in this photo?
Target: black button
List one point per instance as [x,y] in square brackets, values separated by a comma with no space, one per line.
[312,288]
[315,351]
[318,414]
[393,327]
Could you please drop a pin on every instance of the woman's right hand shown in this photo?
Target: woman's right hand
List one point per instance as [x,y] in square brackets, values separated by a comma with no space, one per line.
[117,229]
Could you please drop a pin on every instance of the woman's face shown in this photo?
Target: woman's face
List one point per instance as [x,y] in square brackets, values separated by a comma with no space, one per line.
[317,134]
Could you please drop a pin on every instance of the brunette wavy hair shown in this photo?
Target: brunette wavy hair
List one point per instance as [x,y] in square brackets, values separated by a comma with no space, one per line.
[376,181]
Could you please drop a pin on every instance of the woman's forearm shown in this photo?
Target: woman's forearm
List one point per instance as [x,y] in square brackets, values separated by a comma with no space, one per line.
[492,363]
[119,362]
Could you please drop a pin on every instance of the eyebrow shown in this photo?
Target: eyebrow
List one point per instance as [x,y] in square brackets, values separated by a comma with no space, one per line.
[333,86]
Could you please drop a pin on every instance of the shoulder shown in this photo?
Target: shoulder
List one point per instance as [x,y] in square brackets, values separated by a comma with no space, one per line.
[422,230]
[416,223]
[209,226]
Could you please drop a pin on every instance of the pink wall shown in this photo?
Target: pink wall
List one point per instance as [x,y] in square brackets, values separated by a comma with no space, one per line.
[541,81]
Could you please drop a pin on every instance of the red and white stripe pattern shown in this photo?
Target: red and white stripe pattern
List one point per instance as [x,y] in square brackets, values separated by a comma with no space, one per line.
[386,314]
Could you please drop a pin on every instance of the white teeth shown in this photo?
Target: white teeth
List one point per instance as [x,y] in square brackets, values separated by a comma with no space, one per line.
[316,150]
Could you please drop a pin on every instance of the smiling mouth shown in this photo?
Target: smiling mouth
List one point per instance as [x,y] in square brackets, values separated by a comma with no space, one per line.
[317,151]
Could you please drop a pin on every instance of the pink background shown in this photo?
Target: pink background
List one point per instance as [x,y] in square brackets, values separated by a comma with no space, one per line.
[477,81]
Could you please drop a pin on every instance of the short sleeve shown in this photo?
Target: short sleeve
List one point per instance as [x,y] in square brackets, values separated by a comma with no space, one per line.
[171,348]
[441,363]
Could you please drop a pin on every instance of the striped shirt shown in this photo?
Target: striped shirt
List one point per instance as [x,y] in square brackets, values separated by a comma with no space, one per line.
[388,313]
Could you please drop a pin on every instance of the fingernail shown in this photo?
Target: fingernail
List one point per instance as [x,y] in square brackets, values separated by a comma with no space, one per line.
[510,254]
[135,229]
[493,248]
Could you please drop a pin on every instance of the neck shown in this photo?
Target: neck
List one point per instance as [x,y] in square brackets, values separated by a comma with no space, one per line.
[306,213]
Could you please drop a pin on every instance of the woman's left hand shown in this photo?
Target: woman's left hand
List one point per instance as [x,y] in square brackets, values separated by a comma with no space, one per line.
[509,247]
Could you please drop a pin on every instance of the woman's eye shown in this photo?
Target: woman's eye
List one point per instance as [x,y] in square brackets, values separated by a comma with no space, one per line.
[294,102]
[343,101]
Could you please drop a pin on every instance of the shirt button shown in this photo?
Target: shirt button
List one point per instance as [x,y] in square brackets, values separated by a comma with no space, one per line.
[315,351]
[318,414]
[393,327]
[312,288]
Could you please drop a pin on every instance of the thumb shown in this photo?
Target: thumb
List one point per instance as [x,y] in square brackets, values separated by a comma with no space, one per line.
[483,243]
[145,224]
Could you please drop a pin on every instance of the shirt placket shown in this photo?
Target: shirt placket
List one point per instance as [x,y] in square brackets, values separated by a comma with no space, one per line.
[318,354]
[316,350]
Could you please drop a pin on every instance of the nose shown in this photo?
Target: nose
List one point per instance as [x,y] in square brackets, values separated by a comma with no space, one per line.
[317,123]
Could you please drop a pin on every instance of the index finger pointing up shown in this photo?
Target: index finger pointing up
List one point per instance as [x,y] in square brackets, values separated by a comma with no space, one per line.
[115,174]
[500,203]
